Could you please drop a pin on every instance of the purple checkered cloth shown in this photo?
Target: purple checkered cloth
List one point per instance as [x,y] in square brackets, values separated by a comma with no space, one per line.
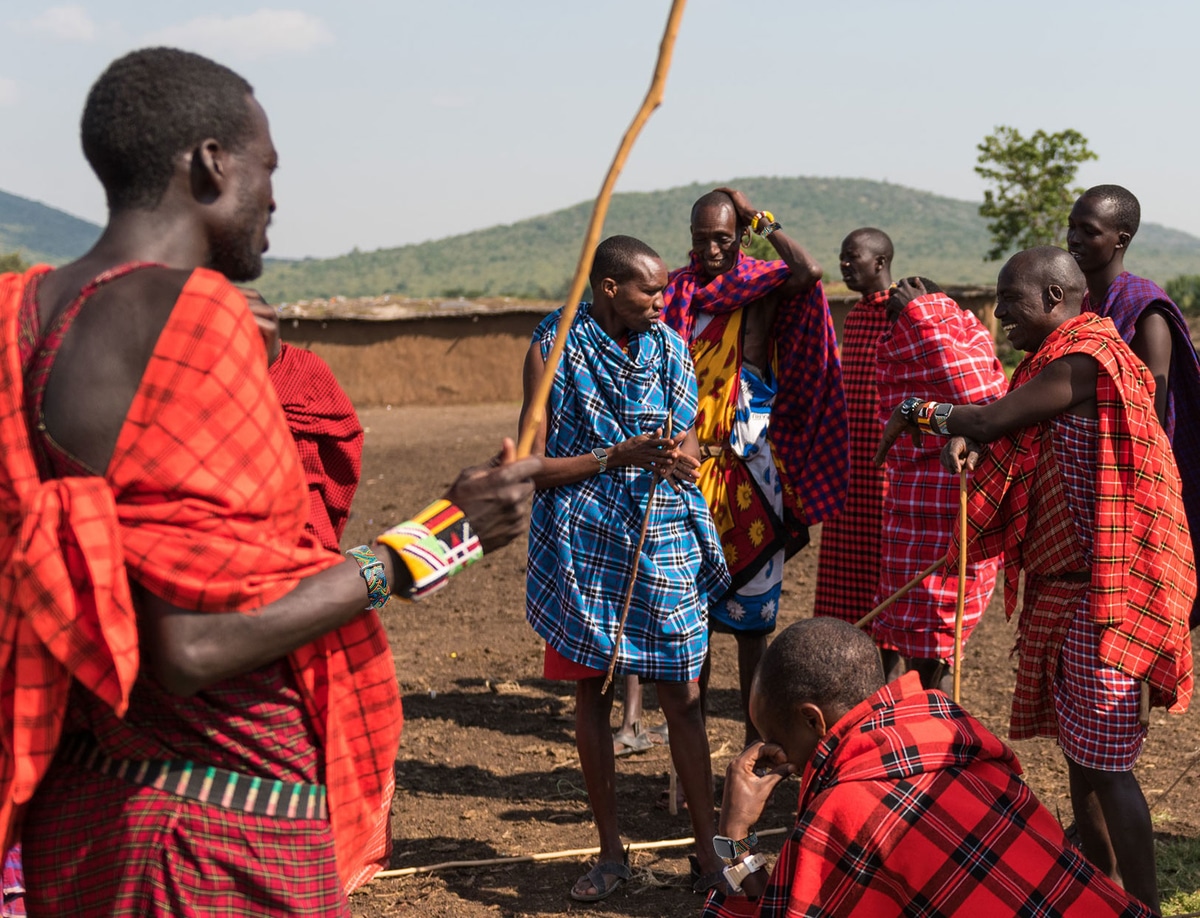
[810,435]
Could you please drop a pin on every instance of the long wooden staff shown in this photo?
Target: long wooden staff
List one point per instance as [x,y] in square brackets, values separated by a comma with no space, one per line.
[654,97]
[960,610]
[637,554]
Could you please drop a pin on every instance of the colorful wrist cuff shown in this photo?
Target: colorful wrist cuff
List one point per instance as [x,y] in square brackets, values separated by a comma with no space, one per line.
[933,418]
[434,545]
[371,569]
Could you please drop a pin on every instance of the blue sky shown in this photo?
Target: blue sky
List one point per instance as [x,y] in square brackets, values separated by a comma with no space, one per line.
[402,121]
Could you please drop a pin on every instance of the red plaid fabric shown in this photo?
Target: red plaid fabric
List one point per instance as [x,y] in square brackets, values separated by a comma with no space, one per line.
[808,420]
[848,564]
[1127,297]
[935,350]
[145,854]
[1143,578]
[211,504]
[909,806]
[328,437]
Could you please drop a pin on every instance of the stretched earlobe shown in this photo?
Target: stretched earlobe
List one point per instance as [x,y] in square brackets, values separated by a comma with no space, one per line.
[1055,293]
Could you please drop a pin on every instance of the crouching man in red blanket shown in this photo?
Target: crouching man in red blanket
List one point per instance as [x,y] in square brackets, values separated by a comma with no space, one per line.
[205,710]
[908,805]
[1078,488]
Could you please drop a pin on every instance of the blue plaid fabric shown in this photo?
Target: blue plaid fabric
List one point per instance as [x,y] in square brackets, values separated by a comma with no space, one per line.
[582,536]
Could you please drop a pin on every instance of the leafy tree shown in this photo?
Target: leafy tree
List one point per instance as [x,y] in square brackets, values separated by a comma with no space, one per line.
[12,262]
[1033,175]
[1185,291]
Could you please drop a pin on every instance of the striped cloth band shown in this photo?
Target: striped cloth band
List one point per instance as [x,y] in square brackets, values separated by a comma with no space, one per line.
[204,783]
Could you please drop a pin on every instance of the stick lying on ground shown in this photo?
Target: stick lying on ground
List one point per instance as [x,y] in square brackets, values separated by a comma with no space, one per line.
[654,97]
[550,856]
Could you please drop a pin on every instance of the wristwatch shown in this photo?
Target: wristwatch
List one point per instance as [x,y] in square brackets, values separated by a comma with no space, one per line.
[600,454]
[738,872]
[908,409]
[729,848]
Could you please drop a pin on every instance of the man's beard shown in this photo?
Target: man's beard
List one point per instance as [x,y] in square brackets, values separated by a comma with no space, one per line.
[238,253]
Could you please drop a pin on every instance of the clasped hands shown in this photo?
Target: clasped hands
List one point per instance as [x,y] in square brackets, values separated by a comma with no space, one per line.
[658,453]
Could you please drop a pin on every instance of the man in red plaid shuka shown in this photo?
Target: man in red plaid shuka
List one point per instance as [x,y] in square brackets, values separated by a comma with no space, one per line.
[935,347]
[908,805]
[848,564]
[1079,489]
[205,710]
[772,414]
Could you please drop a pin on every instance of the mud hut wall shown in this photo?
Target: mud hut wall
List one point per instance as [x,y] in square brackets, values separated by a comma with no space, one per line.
[458,360]
[428,361]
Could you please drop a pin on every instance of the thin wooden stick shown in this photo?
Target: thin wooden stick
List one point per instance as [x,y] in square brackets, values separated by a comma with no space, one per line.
[550,856]
[637,554]
[960,609]
[654,97]
[900,593]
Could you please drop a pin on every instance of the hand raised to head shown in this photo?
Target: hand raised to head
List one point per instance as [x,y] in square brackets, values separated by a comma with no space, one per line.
[741,204]
[749,780]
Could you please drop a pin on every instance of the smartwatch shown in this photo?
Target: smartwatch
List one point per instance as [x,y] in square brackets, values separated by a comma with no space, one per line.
[738,872]
[730,848]
[600,454]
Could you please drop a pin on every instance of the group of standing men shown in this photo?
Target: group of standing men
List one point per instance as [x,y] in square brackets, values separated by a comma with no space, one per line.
[761,343]
[226,762]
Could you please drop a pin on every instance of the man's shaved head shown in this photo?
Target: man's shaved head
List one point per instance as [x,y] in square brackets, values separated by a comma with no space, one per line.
[1046,265]
[875,241]
[714,199]
[1126,211]
[822,661]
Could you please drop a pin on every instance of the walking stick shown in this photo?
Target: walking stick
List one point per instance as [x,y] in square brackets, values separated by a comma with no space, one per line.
[637,553]
[654,97]
[962,583]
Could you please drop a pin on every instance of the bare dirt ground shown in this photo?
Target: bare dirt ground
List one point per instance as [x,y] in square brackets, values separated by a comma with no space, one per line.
[488,766]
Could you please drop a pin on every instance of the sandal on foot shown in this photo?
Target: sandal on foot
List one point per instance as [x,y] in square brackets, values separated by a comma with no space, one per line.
[703,882]
[660,735]
[664,801]
[626,743]
[597,878]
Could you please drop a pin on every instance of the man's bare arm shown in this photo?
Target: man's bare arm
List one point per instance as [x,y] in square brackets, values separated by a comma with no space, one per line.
[806,271]
[1152,343]
[1065,385]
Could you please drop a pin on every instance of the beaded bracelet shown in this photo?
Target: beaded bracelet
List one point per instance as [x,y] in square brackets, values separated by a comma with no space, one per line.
[933,417]
[434,545]
[758,218]
[371,570]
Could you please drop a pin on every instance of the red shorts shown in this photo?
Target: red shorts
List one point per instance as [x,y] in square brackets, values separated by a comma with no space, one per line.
[557,667]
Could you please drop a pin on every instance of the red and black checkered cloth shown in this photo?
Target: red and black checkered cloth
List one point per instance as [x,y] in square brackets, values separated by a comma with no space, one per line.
[1127,297]
[909,806]
[1143,576]
[937,351]
[848,564]
[808,420]
[328,437]
[210,503]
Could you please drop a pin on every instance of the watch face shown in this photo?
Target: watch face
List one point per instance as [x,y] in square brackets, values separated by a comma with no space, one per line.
[724,847]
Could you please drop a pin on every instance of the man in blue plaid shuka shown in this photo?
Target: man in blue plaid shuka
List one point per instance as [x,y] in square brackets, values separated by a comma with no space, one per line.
[620,415]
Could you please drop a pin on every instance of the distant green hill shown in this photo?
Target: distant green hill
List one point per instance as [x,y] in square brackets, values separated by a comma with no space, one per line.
[42,233]
[939,237]
[935,236]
